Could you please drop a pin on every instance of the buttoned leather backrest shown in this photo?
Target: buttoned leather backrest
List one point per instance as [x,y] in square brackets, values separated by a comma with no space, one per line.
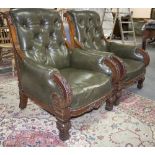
[40,36]
[88,29]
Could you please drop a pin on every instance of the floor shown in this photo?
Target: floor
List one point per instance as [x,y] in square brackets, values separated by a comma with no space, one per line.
[131,123]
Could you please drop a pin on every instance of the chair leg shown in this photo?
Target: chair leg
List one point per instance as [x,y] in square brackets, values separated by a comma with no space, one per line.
[109,104]
[23,100]
[0,54]
[140,83]
[116,103]
[118,95]
[13,67]
[62,113]
[63,128]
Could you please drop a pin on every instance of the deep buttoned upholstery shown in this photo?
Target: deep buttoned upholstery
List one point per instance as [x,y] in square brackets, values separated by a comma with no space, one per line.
[40,36]
[88,29]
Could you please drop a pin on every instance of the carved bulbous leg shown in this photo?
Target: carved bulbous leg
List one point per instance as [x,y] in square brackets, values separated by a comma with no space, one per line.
[140,84]
[63,128]
[0,54]
[116,103]
[118,95]
[62,114]
[109,103]
[23,100]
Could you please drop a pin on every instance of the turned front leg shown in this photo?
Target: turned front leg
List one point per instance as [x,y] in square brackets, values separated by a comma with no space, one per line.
[63,128]
[23,100]
[118,95]
[144,43]
[140,83]
[109,103]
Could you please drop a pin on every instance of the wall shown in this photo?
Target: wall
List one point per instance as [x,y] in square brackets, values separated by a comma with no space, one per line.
[141,12]
[4,9]
[137,12]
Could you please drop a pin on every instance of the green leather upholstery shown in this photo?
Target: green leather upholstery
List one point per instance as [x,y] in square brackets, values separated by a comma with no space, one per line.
[124,51]
[132,60]
[36,80]
[88,31]
[84,59]
[87,86]
[134,68]
[40,37]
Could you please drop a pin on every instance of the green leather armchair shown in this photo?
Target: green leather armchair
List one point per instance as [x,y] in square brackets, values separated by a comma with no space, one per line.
[65,81]
[86,33]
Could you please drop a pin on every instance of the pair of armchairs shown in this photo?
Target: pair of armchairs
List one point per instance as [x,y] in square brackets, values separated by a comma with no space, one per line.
[64,80]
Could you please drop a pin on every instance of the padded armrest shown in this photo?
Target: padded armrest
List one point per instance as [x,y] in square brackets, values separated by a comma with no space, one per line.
[84,59]
[97,61]
[125,51]
[38,79]
[39,74]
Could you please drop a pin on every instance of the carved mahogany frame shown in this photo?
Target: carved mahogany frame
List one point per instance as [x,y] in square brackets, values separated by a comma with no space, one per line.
[122,83]
[61,105]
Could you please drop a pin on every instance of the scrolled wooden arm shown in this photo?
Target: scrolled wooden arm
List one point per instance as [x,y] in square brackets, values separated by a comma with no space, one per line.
[145,55]
[64,88]
[121,65]
[114,68]
[61,104]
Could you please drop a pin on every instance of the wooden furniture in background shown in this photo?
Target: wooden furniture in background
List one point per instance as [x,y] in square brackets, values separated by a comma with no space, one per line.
[152,13]
[148,33]
[6,48]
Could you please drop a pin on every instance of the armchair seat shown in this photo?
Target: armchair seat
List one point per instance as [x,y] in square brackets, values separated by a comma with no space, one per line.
[134,68]
[86,85]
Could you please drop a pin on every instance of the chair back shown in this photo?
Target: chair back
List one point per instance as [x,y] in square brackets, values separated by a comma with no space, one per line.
[40,36]
[87,28]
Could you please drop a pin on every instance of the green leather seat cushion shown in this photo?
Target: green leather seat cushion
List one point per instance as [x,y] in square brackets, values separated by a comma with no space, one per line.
[87,86]
[134,68]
